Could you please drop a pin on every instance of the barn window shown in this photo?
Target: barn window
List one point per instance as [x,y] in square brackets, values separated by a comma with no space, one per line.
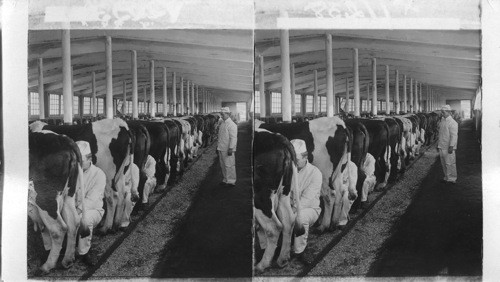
[383,105]
[309,103]
[322,102]
[87,101]
[298,103]
[54,104]
[100,105]
[276,103]
[34,104]
[351,105]
[159,107]
[364,105]
[256,101]
[75,105]
[141,107]
[129,107]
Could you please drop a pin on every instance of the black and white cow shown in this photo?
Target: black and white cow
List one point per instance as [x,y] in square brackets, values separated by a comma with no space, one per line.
[56,191]
[158,131]
[111,145]
[177,154]
[379,148]
[327,144]
[275,181]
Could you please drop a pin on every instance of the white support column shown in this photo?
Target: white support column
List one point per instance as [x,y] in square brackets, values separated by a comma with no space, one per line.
[165,100]
[188,96]
[174,94]
[145,94]
[368,97]
[292,88]
[357,101]
[412,107]
[41,91]
[405,96]
[286,107]
[334,103]
[347,104]
[152,108]
[262,90]
[198,99]
[387,93]
[72,93]
[181,107]
[135,92]
[420,99]
[94,98]
[193,110]
[415,97]
[109,78]
[67,79]
[374,86]
[330,100]
[124,106]
[315,96]
[396,98]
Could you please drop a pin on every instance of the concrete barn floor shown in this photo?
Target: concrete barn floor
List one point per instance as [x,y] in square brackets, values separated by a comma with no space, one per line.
[215,240]
[208,226]
[418,228]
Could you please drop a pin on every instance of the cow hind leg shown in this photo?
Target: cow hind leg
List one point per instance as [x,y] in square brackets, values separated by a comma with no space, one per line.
[328,202]
[287,218]
[120,211]
[71,218]
[56,229]
[111,199]
[272,232]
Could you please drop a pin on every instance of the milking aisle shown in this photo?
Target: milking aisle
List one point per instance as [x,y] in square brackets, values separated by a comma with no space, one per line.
[420,227]
[215,239]
[441,232]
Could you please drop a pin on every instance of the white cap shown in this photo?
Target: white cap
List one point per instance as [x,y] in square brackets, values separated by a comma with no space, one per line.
[225,110]
[300,146]
[446,108]
[84,147]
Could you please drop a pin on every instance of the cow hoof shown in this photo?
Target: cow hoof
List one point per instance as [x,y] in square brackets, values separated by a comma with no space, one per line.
[318,231]
[259,269]
[41,271]
[281,263]
[67,263]
[101,231]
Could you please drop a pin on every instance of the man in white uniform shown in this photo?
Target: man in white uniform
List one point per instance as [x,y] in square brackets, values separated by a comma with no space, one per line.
[226,147]
[447,144]
[94,182]
[149,186]
[309,189]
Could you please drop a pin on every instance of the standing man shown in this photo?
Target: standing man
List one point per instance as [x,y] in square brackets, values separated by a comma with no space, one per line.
[309,189]
[226,147]
[94,182]
[447,144]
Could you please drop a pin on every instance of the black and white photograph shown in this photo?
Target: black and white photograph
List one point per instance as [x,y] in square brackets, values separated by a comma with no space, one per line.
[385,129]
[145,172]
[249,140]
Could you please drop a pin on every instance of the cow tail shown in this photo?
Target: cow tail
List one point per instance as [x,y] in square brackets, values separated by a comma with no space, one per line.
[84,225]
[388,149]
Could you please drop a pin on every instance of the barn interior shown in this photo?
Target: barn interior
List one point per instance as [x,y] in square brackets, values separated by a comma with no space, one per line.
[442,66]
[215,67]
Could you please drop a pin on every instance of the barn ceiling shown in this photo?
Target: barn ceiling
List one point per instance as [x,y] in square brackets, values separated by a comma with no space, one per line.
[447,60]
[220,61]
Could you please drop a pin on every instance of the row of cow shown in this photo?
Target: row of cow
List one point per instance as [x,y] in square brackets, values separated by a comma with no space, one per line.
[56,175]
[355,156]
